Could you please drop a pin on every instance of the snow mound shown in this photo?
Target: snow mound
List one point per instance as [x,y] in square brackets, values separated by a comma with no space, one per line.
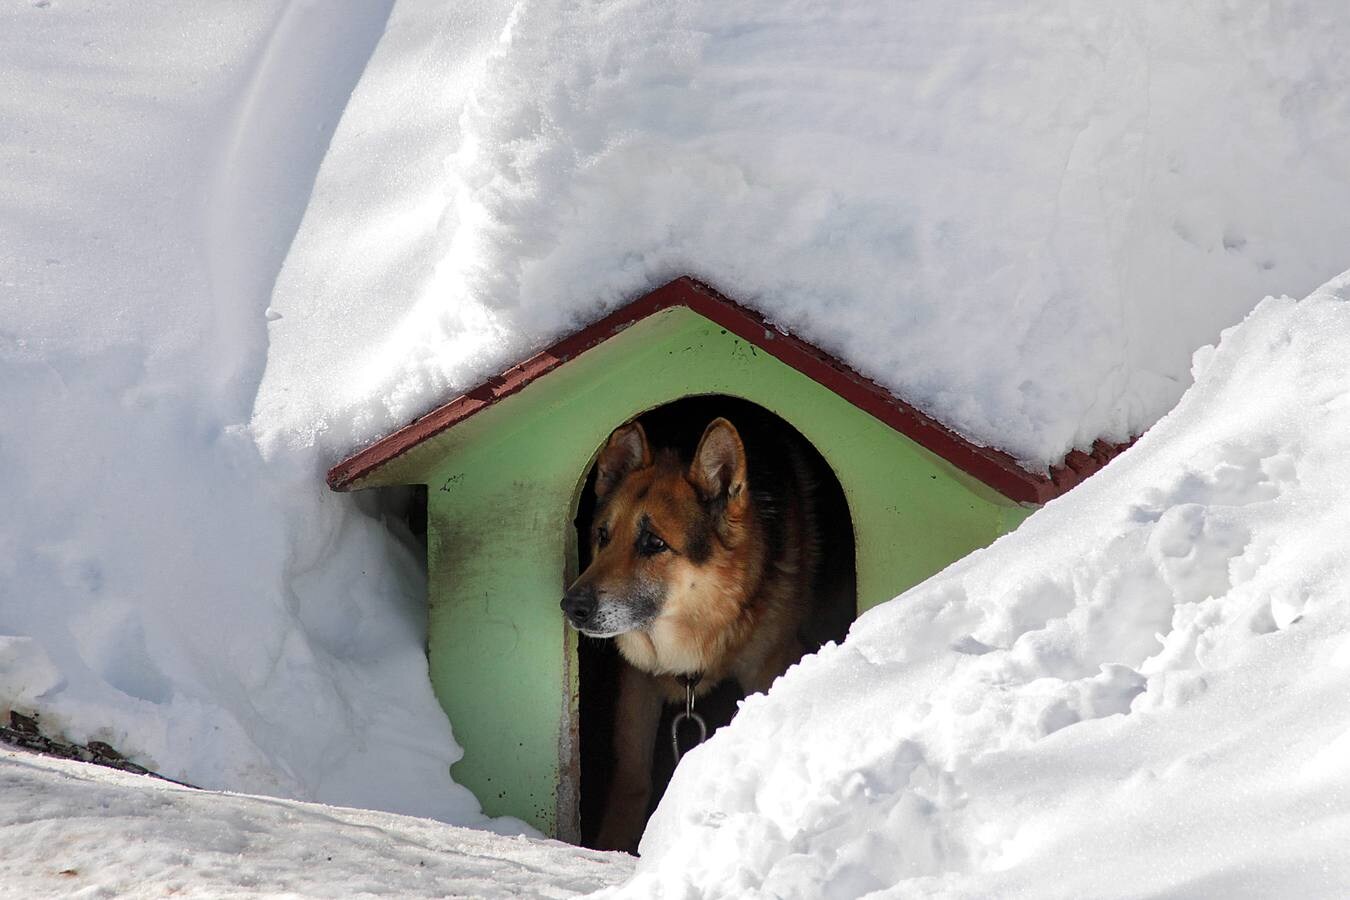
[76,830]
[1022,219]
[1141,691]
[213,615]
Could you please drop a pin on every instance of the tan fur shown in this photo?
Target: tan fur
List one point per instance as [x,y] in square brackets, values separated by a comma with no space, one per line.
[735,613]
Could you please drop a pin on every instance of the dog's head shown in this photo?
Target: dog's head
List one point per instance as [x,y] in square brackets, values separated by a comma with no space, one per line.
[663,534]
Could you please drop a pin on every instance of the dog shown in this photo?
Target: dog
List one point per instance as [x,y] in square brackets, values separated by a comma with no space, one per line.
[701,570]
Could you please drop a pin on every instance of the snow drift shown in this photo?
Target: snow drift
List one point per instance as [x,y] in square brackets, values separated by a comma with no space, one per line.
[1139,692]
[1021,217]
[162,586]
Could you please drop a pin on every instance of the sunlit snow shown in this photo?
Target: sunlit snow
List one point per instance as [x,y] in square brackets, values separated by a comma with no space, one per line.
[238,241]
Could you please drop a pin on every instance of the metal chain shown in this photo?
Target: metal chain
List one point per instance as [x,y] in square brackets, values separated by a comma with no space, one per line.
[687,715]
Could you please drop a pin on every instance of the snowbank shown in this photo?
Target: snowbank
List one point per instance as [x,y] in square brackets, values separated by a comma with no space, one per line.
[76,830]
[1140,692]
[162,587]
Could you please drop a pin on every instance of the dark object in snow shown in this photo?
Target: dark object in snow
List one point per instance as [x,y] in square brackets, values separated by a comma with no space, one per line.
[24,733]
[22,724]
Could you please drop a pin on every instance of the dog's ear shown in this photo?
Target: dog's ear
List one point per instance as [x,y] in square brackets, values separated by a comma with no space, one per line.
[625,451]
[718,469]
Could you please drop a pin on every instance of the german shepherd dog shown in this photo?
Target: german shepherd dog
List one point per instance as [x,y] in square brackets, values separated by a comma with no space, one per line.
[700,568]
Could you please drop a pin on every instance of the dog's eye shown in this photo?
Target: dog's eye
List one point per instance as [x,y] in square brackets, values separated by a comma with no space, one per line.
[602,535]
[650,545]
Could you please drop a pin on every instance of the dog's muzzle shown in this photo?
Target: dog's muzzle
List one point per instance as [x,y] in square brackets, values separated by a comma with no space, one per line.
[598,613]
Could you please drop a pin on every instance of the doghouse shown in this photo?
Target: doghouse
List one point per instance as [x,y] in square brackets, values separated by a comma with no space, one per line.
[505,465]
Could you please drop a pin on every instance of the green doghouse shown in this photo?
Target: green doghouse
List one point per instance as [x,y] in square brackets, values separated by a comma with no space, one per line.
[505,465]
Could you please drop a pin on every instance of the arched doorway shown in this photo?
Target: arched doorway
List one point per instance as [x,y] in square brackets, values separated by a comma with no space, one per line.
[679,425]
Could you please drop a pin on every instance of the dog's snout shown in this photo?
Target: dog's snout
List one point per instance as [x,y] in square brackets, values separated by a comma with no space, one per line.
[579,604]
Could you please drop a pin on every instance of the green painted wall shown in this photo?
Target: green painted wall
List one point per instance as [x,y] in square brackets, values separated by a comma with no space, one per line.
[503,487]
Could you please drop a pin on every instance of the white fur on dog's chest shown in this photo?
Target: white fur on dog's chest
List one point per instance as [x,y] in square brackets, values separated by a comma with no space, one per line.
[664,648]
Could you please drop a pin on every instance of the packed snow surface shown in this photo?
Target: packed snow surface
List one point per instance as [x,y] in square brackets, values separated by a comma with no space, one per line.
[70,829]
[1140,692]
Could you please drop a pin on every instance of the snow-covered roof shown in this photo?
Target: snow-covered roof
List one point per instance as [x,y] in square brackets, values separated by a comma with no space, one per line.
[1022,221]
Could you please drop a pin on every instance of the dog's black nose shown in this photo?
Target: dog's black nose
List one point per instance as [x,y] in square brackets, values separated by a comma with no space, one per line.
[579,603]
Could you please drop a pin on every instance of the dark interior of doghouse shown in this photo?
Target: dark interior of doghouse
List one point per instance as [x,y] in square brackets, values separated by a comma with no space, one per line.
[680,424]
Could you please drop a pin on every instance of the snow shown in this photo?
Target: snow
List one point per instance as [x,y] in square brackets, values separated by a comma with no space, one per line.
[1022,218]
[1140,692]
[213,615]
[237,241]
[70,829]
